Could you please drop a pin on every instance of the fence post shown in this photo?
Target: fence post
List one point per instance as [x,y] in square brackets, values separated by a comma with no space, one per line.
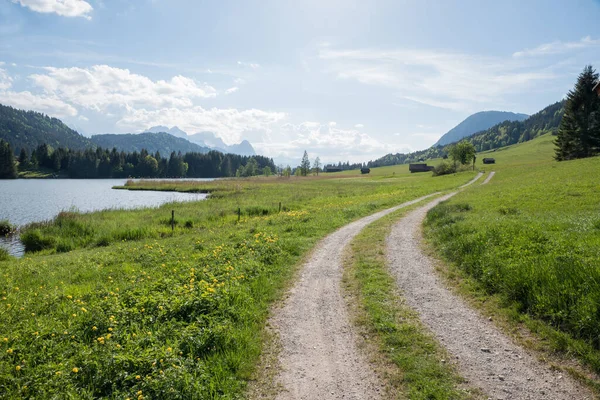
[239,213]
[172,220]
[279,206]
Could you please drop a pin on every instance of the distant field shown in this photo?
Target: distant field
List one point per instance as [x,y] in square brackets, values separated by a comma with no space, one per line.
[533,235]
[118,305]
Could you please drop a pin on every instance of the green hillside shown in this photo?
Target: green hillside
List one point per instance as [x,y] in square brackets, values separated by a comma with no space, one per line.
[152,142]
[29,129]
[531,236]
[476,123]
[500,135]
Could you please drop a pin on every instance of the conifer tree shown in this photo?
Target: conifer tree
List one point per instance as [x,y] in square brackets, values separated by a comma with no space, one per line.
[305,164]
[579,130]
[8,169]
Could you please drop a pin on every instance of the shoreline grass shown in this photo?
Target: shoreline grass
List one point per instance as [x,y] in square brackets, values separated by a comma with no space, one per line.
[164,314]
[414,364]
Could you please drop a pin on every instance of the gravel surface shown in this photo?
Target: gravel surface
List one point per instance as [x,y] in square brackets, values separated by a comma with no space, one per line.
[490,176]
[486,357]
[319,357]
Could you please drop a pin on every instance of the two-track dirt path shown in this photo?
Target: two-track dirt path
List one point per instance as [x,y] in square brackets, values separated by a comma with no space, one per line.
[486,357]
[319,358]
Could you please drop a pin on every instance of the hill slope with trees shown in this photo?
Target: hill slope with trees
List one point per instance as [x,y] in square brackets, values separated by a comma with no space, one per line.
[477,123]
[29,129]
[500,135]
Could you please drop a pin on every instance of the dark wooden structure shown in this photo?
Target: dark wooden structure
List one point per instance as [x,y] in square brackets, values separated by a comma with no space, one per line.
[597,88]
[419,168]
[365,170]
[489,161]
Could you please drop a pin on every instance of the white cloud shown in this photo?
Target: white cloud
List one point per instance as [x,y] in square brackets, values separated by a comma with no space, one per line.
[229,124]
[247,64]
[557,47]
[438,78]
[45,104]
[329,142]
[65,8]
[101,87]
[5,80]
[232,90]
[359,126]
[332,123]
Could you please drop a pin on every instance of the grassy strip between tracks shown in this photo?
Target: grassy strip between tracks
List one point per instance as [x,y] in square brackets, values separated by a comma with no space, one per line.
[413,364]
[120,306]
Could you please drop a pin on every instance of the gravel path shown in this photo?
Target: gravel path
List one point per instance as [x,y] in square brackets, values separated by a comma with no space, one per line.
[485,356]
[319,358]
[490,176]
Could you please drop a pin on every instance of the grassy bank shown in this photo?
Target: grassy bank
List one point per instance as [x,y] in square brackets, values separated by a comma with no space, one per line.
[532,237]
[117,305]
[415,366]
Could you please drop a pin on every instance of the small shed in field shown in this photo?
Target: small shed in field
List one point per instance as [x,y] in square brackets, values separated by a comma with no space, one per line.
[365,170]
[419,168]
[489,161]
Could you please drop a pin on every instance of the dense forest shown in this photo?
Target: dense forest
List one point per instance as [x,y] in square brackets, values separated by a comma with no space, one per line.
[104,163]
[500,135]
[340,166]
[29,129]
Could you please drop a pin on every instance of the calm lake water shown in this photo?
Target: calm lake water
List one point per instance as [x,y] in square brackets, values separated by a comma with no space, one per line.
[32,200]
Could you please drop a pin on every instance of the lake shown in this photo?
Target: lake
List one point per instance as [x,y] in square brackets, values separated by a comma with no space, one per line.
[32,200]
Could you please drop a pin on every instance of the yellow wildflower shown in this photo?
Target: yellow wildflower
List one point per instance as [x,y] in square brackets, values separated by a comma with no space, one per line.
[75,370]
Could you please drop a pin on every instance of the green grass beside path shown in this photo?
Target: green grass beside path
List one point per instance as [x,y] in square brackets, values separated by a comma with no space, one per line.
[532,237]
[116,305]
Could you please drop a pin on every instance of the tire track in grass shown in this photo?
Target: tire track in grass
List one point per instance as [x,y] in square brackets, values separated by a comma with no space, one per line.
[485,356]
[489,178]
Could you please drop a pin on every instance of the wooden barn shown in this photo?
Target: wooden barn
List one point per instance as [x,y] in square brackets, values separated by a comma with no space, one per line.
[419,168]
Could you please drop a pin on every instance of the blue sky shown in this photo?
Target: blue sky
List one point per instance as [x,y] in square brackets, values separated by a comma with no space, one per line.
[342,79]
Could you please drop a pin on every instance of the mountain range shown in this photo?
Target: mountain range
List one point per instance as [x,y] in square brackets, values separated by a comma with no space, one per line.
[477,123]
[29,129]
[207,139]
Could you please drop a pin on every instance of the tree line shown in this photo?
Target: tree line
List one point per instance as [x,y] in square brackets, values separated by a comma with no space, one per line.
[105,163]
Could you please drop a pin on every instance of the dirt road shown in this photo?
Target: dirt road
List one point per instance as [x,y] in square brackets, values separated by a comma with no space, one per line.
[485,356]
[319,358]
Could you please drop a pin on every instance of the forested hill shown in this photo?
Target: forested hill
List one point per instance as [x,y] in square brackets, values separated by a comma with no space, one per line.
[29,129]
[500,135]
[510,132]
[152,142]
[477,123]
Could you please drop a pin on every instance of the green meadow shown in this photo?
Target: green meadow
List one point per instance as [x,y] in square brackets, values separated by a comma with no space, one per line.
[532,237]
[117,304]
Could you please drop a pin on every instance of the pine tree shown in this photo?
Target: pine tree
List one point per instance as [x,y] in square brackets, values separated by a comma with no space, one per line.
[579,130]
[8,169]
[305,164]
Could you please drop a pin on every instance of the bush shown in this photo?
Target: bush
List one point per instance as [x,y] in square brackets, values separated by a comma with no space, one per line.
[444,168]
[34,241]
[6,228]
[4,254]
